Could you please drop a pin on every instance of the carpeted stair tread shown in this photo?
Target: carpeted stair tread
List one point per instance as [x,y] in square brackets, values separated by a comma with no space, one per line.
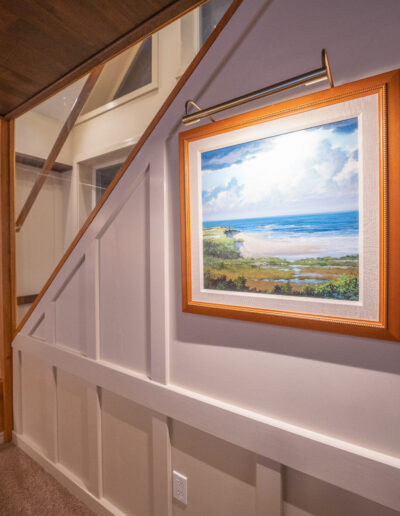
[27,489]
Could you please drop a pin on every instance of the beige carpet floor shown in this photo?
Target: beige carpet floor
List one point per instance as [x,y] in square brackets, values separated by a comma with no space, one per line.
[26,489]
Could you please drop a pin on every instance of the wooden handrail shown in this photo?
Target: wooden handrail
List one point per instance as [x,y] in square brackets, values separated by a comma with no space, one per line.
[61,139]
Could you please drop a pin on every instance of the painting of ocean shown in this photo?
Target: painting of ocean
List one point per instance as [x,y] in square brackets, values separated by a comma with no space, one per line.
[280,215]
[294,236]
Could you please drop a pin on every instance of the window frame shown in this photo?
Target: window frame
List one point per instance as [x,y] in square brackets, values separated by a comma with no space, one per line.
[97,166]
[190,39]
[147,88]
[190,28]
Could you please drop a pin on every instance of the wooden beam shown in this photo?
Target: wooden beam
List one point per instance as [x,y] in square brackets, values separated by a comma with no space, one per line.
[164,17]
[7,270]
[34,161]
[61,139]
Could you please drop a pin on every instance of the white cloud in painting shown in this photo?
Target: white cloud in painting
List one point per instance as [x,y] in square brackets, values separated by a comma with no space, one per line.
[349,173]
[307,171]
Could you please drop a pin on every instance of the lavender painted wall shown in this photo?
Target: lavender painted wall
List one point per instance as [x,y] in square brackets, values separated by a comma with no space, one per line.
[346,387]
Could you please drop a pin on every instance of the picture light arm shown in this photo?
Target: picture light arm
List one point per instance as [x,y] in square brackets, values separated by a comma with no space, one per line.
[307,78]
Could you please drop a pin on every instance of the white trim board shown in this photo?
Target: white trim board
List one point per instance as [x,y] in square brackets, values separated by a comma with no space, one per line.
[366,472]
[128,97]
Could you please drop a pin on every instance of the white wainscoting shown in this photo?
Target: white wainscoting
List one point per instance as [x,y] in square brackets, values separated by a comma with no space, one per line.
[370,474]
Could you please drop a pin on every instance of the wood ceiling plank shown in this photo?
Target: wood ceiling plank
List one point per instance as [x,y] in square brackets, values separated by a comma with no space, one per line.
[13,86]
[47,44]
[7,18]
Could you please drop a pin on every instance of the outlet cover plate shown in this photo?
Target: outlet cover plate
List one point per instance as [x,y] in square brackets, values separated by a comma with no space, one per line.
[179,484]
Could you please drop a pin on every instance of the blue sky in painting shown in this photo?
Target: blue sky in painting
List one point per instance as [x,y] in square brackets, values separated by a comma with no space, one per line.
[313,170]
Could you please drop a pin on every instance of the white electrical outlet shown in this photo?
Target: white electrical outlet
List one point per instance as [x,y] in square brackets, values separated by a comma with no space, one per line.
[179,483]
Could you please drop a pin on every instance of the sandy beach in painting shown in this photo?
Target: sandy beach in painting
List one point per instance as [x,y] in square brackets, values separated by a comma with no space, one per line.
[312,247]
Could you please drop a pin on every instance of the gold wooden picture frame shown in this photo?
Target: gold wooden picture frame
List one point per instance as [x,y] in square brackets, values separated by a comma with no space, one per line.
[290,213]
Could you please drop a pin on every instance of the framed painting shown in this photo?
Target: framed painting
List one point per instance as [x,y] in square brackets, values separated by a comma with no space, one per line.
[290,213]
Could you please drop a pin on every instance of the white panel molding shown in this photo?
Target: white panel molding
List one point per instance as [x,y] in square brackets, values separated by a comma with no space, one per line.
[95,473]
[121,194]
[50,322]
[291,510]
[40,321]
[118,204]
[159,314]
[363,471]
[67,479]
[124,279]
[62,333]
[162,469]
[269,488]
[91,279]
[54,448]
[74,268]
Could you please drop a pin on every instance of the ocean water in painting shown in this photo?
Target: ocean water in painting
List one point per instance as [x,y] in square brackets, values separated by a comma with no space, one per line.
[280,215]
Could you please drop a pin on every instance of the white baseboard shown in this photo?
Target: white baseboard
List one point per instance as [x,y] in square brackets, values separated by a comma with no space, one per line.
[100,506]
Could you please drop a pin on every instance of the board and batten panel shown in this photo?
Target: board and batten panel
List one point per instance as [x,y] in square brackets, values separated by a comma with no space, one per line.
[124,283]
[221,476]
[308,496]
[39,329]
[38,407]
[127,454]
[70,310]
[292,510]
[72,424]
